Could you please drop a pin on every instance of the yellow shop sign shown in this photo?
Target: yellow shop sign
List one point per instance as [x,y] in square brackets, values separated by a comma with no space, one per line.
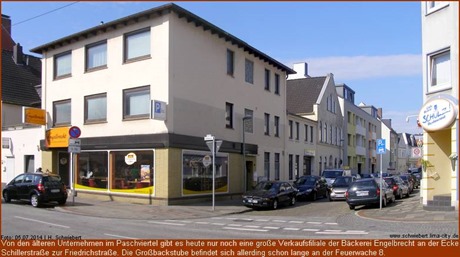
[57,137]
[34,116]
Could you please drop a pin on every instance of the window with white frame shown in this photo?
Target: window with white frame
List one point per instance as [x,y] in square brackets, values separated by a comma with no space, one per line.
[62,113]
[230,62]
[277,84]
[432,6]
[248,123]
[96,55]
[249,71]
[277,126]
[267,124]
[277,166]
[137,44]
[440,71]
[63,65]
[228,115]
[96,108]
[267,79]
[267,165]
[136,102]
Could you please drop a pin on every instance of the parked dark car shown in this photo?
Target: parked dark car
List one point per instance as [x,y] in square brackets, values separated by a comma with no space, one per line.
[410,181]
[269,194]
[311,187]
[339,187]
[367,192]
[39,188]
[417,173]
[400,189]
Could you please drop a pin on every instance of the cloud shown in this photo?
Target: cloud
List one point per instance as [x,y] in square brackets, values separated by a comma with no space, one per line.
[364,67]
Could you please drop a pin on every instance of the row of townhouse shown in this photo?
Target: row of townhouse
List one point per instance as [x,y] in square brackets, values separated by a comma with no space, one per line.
[146,89]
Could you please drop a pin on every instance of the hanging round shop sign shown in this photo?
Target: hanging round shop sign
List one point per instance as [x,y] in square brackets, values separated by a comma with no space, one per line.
[437,114]
[130,158]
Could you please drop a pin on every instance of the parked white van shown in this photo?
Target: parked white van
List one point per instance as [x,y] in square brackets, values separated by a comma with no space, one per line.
[331,174]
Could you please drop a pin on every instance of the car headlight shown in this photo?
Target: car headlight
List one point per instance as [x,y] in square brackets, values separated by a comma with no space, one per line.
[309,190]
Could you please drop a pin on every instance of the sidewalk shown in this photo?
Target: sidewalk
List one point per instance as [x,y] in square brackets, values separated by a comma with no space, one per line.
[405,210]
[121,210]
[408,210]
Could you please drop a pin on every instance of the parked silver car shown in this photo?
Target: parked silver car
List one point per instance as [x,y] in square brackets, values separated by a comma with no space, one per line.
[339,187]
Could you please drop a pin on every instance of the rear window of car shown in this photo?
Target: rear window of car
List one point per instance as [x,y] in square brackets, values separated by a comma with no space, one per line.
[51,179]
[365,183]
[332,173]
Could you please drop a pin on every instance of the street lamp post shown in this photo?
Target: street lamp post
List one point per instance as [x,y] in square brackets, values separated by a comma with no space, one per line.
[244,154]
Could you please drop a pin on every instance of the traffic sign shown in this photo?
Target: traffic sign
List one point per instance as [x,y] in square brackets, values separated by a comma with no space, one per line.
[207,160]
[74,132]
[74,145]
[381,149]
[416,152]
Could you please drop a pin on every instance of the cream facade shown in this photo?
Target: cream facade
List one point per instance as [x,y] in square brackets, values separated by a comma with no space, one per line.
[361,130]
[439,114]
[301,142]
[192,79]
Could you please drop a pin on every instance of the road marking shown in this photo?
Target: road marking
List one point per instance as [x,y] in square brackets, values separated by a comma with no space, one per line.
[261,220]
[246,229]
[39,221]
[314,222]
[332,230]
[218,224]
[183,221]
[251,226]
[202,222]
[310,229]
[330,223]
[293,229]
[235,225]
[112,235]
[296,221]
[166,223]
[340,233]
[282,221]
[272,227]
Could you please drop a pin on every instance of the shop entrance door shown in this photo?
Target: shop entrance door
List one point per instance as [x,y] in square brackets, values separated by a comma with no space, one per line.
[306,165]
[249,175]
[63,167]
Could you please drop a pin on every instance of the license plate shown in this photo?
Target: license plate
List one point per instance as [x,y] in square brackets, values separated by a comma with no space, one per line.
[362,193]
[55,190]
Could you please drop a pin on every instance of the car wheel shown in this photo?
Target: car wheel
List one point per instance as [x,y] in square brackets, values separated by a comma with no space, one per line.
[293,200]
[314,196]
[352,207]
[275,204]
[6,197]
[400,196]
[330,199]
[384,202]
[34,200]
[62,202]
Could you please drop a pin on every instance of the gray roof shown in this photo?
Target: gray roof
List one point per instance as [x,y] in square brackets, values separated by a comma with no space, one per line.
[302,94]
[155,12]
[19,80]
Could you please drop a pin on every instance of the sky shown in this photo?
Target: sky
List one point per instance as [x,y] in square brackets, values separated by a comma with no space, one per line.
[372,47]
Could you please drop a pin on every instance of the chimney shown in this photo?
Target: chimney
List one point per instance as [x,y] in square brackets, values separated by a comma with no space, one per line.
[17,54]
[7,40]
[6,23]
[301,69]
[380,113]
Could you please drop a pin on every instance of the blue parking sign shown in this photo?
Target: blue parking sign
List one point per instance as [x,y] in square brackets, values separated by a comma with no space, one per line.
[381,149]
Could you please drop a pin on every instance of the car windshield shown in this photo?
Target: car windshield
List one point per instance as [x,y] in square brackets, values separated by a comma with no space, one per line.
[332,173]
[305,181]
[404,177]
[342,181]
[267,186]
